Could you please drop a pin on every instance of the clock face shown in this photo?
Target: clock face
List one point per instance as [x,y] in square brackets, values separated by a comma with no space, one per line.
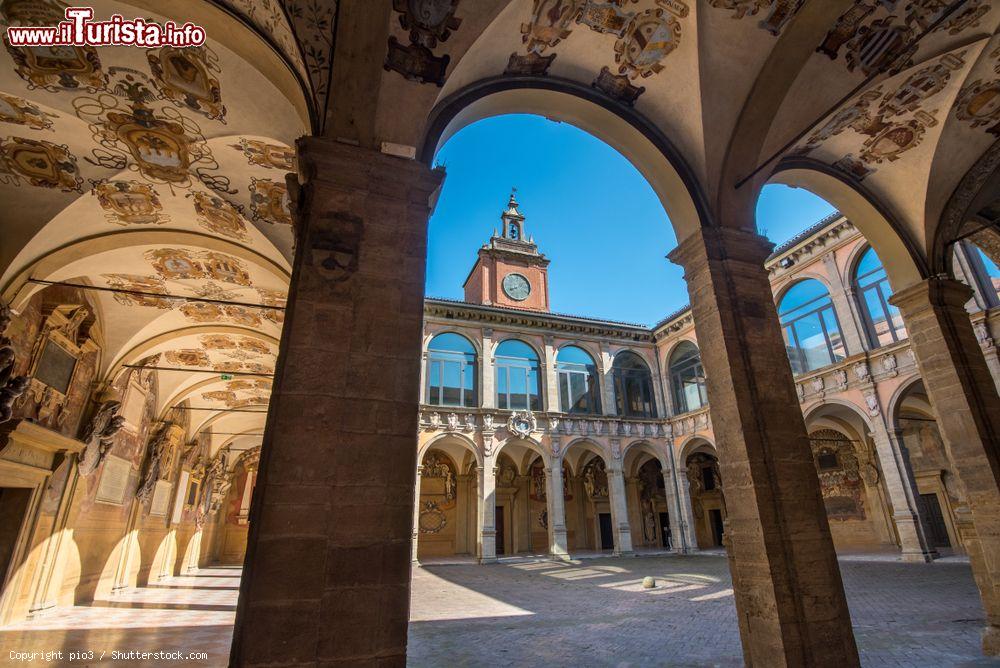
[516,287]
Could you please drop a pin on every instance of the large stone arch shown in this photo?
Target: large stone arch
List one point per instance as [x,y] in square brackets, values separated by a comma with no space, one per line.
[640,141]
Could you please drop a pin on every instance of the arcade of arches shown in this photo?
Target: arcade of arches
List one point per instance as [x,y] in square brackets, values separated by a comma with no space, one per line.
[216,349]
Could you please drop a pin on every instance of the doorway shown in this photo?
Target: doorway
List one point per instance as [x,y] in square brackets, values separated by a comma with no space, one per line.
[715,517]
[607,539]
[665,530]
[937,532]
[13,509]
[500,531]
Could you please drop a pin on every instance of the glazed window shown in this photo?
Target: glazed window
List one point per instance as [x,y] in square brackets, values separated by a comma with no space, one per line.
[579,389]
[988,271]
[687,378]
[451,371]
[882,320]
[517,377]
[633,386]
[810,327]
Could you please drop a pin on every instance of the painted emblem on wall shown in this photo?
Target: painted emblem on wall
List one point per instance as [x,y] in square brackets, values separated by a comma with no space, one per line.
[617,86]
[605,17]
[186,77]
[335,245]
[129,203]
[432,519]
[40,163]
[187,357]
[878,38]
[428,22]
[978,104]
[217,215]
[182,264]
[21,112]
[269,156]
[549,23]
[781,11]
[135,284]
[897,124]
[649,38]
[522,424]
[269,202]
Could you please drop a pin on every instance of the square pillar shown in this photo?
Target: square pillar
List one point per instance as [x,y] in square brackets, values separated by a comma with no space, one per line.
[789,596]
[964,397]
[619,509]
[902,489]
[416,517]
[327,573]
[556,509]
[488,512]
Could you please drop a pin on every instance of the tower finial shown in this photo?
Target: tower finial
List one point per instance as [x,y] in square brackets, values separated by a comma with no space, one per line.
[512,202]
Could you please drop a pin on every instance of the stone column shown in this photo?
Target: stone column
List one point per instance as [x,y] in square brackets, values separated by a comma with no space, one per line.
[556,509]
[487,375]
[488,512]
[678,541]
[619,509]
[416,516]
[608,406]
[789,596]
[551,377]
[328,555]
[967,407]
[902,489]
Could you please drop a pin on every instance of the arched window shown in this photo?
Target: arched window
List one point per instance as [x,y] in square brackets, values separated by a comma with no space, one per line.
[810,327]
[451,371]
[517,377]
[579,389]
[882,320]
[687,378]
[633,386]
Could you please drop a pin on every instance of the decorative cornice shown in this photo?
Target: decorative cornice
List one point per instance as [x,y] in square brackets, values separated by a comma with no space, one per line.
[496,315]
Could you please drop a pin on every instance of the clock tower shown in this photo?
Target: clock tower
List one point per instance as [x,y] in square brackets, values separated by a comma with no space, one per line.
[509,270]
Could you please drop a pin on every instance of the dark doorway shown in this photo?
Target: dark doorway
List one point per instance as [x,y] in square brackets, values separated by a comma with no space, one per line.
[13,507]
[500,532]
[607,539]
[665,529]
[937,532]
[715,515]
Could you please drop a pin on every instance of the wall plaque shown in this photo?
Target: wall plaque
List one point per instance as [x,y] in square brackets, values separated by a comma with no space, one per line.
[114,480]
[133,406]
[182,484]
[55,367]
[161,499]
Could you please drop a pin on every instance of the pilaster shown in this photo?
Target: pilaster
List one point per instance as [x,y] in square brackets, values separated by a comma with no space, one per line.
[556,508]
[964,397]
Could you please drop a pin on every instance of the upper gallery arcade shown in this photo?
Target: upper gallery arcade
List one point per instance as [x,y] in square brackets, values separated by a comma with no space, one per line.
[192,239]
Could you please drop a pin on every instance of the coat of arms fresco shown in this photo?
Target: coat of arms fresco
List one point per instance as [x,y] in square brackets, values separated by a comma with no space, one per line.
[21,112]
[40,163]
[185,77]
[129,203]
[217,215]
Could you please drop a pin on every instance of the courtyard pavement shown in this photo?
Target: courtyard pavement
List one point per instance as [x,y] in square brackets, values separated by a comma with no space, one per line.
[532,612]
[594,612]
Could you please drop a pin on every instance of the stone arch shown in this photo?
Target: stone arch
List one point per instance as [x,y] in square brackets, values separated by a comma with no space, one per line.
[641,142]
[523,459]
[632,456]
[430,336]
[896,399]
[800,278]
[464,441]
[696,443]
[904,263]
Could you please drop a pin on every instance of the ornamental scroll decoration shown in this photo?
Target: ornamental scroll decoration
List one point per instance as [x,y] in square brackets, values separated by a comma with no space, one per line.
[522,424]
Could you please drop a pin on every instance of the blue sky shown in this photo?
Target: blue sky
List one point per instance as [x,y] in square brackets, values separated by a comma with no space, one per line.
[590,211]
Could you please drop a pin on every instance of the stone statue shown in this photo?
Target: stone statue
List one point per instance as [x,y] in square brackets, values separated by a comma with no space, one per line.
[160,449]
[100,436]
[693,474]
[649,527]
[11,386]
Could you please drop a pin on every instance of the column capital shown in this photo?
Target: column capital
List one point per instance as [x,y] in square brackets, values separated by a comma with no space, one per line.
[937,291]
[324,161]
[717,244]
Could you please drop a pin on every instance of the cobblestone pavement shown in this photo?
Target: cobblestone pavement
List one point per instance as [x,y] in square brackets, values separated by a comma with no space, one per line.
[595,613]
